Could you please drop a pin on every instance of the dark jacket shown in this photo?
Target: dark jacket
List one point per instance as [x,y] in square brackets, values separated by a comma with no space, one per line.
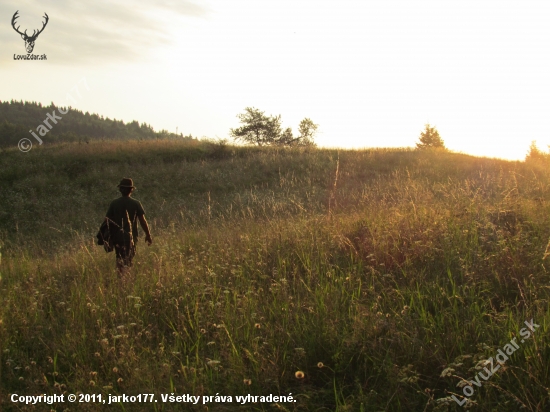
[104,237]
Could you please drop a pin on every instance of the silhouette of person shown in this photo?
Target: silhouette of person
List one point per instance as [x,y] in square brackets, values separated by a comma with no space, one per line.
[122,218]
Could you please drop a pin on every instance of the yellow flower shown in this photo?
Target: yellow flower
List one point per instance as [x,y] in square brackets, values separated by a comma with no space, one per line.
[299,375]
[320,364]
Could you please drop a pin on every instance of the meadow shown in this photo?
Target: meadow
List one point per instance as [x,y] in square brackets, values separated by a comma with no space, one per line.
[364,280]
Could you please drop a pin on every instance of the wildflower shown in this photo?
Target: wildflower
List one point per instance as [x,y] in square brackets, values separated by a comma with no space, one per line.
[203,331]
[299,375]
[115,370]
[92,383]
[119,380]
[97,355]
[257,326]
[120,327]
[93,374]
[213,363]
[320,364]
[247,381]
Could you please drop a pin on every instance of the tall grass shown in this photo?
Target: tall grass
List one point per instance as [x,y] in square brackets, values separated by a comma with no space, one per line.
[369,272]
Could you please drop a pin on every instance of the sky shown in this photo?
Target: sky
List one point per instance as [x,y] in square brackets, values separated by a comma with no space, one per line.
[370,73]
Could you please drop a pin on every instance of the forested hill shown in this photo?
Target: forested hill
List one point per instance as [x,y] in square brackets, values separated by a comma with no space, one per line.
[18,118]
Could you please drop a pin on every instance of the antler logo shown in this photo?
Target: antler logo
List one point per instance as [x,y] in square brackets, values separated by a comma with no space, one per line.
[29,40]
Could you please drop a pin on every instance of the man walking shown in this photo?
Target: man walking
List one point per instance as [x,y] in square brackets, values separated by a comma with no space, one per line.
[122,218]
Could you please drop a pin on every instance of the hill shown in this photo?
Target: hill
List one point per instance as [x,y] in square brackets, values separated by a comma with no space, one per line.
[355,280]
[17,118]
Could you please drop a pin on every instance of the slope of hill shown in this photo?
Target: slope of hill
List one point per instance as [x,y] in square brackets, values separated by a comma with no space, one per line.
[354,280]
[17,118]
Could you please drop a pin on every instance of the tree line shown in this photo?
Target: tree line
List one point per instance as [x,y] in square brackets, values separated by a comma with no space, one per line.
[257,128]
[17,117]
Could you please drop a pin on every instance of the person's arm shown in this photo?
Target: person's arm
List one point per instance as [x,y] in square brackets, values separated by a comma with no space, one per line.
[145,228]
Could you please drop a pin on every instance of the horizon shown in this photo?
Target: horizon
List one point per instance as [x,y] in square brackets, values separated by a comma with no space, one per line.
[371,75]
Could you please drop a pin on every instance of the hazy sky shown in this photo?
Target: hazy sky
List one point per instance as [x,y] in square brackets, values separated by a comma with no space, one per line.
[370,73]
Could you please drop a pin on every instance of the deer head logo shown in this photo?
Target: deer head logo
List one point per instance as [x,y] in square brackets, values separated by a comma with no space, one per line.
[29,40]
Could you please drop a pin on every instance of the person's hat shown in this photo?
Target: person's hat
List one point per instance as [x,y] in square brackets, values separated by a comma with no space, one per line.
[127,182]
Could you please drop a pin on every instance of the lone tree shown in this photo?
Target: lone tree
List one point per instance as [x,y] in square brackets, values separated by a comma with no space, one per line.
[430,138]
[535,154]
[307,130]
[262,130]
[257,127]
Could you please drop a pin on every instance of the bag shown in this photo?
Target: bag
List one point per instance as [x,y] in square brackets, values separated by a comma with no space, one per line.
[104,237]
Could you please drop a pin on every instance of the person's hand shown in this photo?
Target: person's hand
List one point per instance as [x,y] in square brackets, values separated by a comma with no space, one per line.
[148,240]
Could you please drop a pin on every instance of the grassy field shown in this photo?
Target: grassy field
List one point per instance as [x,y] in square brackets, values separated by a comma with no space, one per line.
[372,280]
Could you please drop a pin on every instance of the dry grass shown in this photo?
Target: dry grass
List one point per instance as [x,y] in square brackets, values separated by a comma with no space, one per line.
[425,261]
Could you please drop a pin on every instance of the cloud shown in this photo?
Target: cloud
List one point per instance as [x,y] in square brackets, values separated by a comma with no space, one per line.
[96,32]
